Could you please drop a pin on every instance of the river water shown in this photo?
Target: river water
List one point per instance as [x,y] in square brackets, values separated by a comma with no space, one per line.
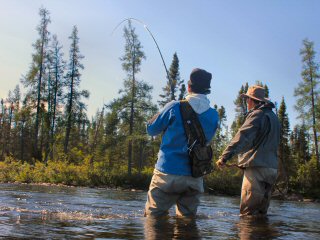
[53,212]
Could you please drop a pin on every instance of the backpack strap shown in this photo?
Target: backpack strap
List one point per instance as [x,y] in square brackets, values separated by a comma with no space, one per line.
[191,123]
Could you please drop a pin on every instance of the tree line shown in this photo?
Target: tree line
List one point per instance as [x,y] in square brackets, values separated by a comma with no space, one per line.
[46,134]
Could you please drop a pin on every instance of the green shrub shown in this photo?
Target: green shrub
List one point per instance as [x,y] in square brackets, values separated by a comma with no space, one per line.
[25,173]
[9,169]
[307,179]
[39,173]
[226,181]
[69,174]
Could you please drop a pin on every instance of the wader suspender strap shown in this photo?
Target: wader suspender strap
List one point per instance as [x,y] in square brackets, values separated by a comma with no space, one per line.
[192,126]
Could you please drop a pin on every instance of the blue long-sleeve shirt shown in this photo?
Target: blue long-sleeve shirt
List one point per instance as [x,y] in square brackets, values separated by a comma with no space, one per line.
[173,157]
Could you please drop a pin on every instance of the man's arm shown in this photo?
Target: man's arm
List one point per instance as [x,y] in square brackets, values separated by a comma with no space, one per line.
[153,118]
[244,138]
[159,122]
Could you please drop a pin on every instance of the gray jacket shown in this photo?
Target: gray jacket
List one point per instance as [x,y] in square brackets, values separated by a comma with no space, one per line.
[257,140]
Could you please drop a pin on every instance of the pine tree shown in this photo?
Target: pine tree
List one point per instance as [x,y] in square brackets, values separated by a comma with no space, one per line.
[172,84]
[307,91]
[241,109]
[219,141]
[13,99]
[286,164]
[131,62]
[97,129]
[34,78]
[183,91]
[57,67]
[299,141]
[6,117]
[73,79]
[112,138]
[134,106]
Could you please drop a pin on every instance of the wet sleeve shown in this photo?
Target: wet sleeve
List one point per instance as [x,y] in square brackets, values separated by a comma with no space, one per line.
[245,137]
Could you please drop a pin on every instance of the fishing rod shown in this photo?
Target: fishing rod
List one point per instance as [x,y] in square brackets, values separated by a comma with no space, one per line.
[164,64]
[154,40]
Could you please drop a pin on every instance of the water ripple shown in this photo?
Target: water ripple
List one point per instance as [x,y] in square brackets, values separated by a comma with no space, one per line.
[51,212]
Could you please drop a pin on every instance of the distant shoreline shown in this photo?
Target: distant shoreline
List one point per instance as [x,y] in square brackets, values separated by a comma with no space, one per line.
[293,197]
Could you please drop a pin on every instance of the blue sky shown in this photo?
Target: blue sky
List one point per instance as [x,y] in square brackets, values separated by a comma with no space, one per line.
[238,41]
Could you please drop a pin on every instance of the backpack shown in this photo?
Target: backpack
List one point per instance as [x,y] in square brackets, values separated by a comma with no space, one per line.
[200,153]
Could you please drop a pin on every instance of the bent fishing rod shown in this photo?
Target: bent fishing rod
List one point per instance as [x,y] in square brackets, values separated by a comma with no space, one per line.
[154,40]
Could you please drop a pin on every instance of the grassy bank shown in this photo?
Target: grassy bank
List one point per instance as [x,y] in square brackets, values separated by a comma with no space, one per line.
[60,172]
[99,174]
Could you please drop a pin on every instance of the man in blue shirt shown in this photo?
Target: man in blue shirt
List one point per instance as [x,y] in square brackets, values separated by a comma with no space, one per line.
[172,182]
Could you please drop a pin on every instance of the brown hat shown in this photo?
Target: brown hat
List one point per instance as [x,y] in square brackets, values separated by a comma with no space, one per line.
[200,81]
[257,93]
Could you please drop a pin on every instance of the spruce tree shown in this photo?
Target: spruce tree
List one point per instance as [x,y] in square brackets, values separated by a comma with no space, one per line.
[307,91]
[241,109]
[73,79]
[131,62]
[134,105]
[57,83]
[111,139]
[34,78]
[299,141]
[169,91]
[183,91]
[286,164]
[219,141]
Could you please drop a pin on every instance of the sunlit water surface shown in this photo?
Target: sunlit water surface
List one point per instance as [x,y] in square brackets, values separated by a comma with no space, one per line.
[51,212]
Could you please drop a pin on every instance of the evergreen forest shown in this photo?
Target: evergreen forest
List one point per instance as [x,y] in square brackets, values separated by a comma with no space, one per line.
[46,135]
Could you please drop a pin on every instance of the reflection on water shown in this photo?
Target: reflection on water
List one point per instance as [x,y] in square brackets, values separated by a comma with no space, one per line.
[51,212]
[175,228]
[256,228]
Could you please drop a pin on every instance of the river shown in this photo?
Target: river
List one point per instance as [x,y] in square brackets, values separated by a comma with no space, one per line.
[58,212]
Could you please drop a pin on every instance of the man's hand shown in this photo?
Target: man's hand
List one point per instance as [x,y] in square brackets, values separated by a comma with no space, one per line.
[153,118]
[220,163]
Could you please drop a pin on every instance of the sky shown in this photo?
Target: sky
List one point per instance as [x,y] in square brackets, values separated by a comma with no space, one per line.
[237,41]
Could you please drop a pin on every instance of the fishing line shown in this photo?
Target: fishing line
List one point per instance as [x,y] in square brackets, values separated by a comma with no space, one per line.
[154,40]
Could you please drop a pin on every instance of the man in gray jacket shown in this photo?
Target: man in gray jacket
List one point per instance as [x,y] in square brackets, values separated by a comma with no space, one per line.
[256,144]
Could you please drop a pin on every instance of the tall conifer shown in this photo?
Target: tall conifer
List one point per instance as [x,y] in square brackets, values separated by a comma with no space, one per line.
[169,91]
[285,159]
[34,78]
[307,91]
[73,79]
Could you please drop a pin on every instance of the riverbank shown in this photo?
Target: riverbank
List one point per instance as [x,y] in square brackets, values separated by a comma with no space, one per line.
[70,174]
[97,175]
[292,197]
[73,186]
